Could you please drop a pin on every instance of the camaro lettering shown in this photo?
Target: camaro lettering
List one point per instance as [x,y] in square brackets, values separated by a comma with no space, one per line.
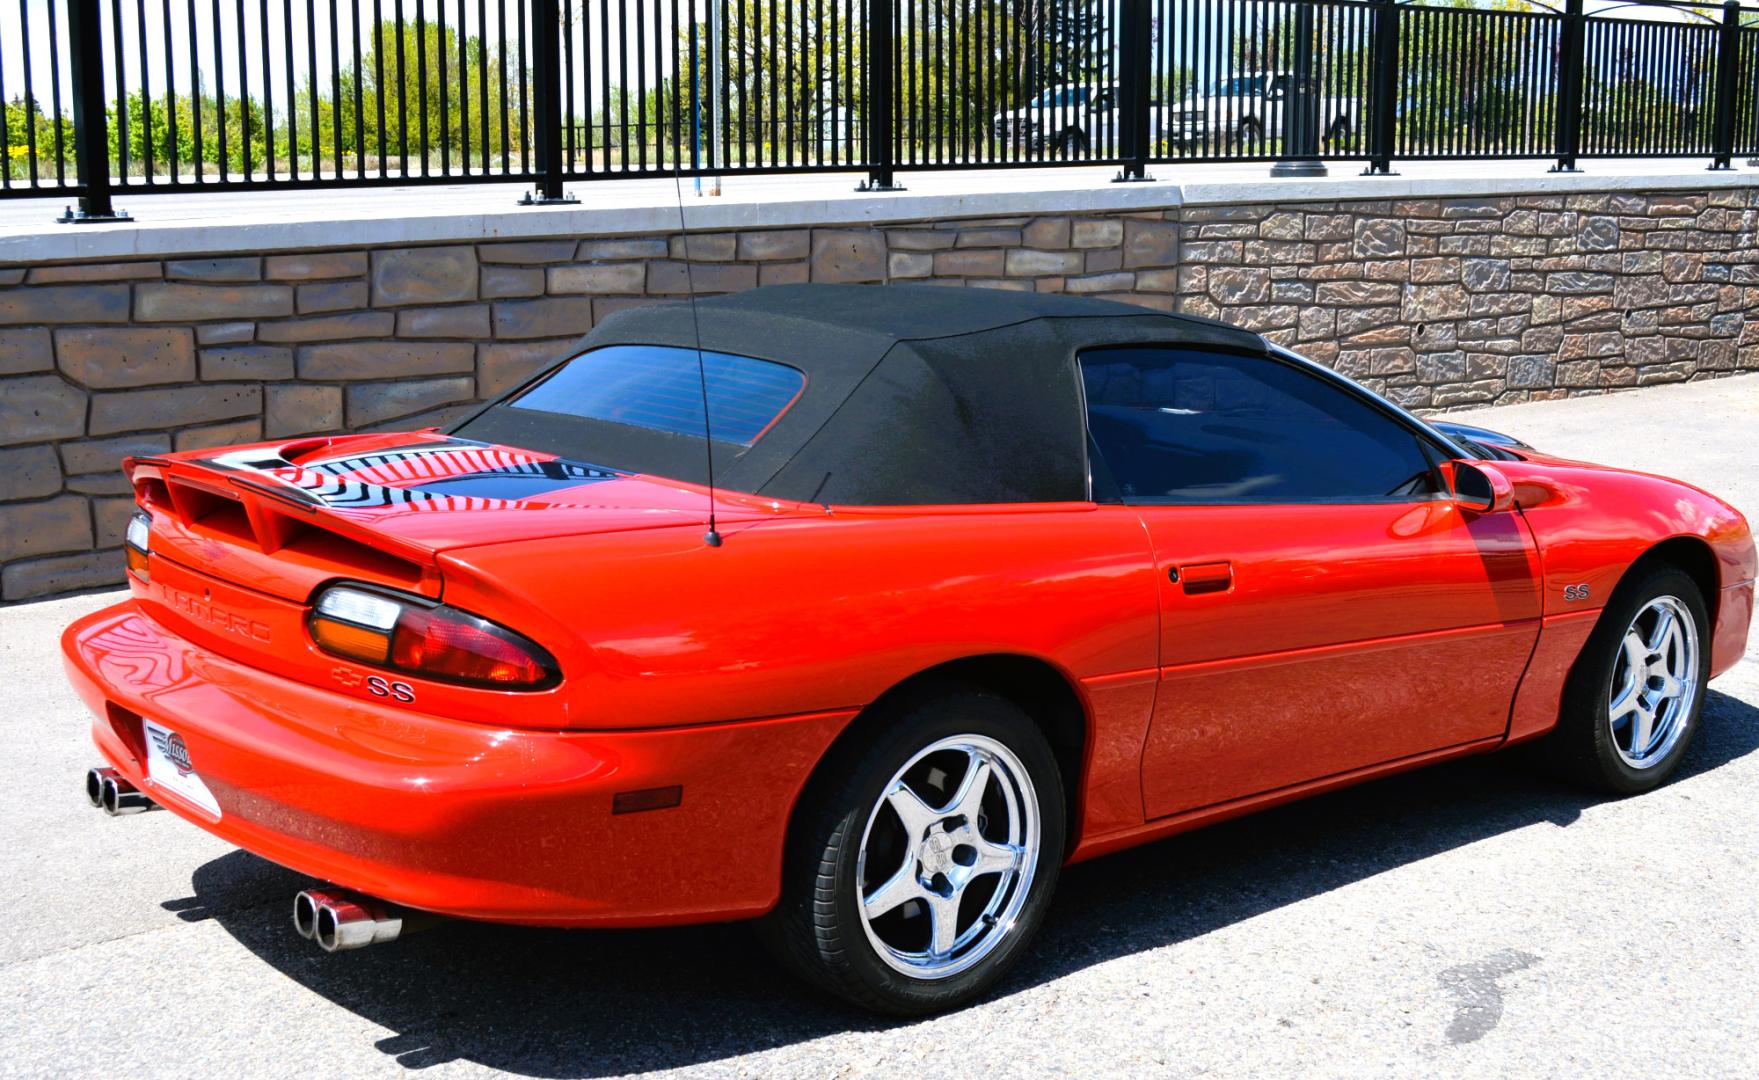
[205,611]
[1575,592]
[396,691]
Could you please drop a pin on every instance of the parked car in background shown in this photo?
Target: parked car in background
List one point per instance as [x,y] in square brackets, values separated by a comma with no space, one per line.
[1249,108]
[1073,120]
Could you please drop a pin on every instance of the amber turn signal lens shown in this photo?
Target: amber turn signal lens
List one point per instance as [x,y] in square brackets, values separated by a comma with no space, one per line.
[137,560]
[346,639]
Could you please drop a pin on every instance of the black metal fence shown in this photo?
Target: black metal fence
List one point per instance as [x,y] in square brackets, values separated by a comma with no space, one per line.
[135,96]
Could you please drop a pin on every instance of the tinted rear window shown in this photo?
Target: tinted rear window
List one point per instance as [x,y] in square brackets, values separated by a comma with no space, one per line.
[660,388]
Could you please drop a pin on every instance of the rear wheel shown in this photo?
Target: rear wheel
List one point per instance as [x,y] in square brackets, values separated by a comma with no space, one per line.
[1631,704]
[921,863]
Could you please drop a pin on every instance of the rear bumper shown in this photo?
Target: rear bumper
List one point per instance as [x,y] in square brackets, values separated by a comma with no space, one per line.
[458,818]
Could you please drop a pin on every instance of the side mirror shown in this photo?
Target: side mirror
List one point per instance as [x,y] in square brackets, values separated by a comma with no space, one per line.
[1481,488]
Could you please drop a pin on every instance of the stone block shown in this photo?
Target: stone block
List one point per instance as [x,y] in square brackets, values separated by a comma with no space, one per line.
[29,472]
[983,238]
[531,252]
[1047,232]
[1435,271]
[301,410]
[509,282]
[970,263]
[614,248]
[372,403]
[1101,260]
[681,279]
[76,273]
[172,407]
[1101,283]
[843,255]
[469,321]
[315,266]
[775,244]
[1239,285]
[1096,233]
[1150,243]
[63,523]
[64,304]
[559,316]
[246,268]
[625,278]
[113,357]
[1028,262]
[60,573]
[501,367]
[1431,303]
[25,350]
[247,430]
[226,333]
[110,517]
[37,408]
[173,302]
[385,359]
[242,362]
[1379,238]
[424,275]
[1283,225]
[1531,372]
[926,239]
[909,264]
[360,324]
[704,247]
[323,296]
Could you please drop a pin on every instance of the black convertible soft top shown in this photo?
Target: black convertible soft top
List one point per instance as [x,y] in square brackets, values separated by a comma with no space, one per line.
[914,394]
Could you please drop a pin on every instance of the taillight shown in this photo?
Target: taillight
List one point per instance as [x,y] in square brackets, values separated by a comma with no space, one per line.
[434,641]
[137,543]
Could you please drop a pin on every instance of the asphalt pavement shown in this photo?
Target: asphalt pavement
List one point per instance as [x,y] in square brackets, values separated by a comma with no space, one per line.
[1469,920]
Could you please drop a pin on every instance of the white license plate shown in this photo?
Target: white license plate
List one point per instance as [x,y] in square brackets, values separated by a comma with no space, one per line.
[169,766]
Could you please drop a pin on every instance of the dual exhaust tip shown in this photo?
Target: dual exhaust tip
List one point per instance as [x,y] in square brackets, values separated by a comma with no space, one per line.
[336,919]
[110,792]
[339,920]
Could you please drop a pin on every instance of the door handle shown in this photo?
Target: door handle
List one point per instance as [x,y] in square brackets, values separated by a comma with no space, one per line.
[1203,577]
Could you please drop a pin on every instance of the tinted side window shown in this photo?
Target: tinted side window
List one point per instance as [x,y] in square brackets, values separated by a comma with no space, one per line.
[1189,425]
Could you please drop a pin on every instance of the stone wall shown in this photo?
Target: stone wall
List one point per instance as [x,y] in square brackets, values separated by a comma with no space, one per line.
[1437,302]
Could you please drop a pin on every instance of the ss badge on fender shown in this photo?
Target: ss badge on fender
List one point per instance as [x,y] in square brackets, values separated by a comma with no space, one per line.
[397,691]
[1575,592]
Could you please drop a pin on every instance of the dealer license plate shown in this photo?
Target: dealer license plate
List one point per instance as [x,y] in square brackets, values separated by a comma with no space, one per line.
[169,767]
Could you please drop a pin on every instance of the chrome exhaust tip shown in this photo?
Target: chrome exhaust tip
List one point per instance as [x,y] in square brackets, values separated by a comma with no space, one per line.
[115,795]
[339,920]
[95,784]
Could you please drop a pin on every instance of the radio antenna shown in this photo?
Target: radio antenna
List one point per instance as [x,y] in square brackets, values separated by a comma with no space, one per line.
[713,537]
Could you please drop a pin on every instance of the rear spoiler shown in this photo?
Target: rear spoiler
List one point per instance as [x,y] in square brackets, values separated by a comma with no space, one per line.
[275,511]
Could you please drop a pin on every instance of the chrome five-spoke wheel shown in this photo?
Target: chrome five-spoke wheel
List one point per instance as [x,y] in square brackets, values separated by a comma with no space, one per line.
[924,852]
[947,857]
[1654,681]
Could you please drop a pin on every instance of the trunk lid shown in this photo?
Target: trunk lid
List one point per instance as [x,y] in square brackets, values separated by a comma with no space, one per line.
[282,518]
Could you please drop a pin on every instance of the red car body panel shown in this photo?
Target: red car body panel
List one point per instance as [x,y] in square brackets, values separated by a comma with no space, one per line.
[1302,648]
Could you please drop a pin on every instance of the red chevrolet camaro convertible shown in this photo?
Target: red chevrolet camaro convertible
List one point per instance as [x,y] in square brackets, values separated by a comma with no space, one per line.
[992,583]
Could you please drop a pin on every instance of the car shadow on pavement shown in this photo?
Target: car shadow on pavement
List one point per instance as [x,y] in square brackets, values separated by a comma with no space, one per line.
[556,1003]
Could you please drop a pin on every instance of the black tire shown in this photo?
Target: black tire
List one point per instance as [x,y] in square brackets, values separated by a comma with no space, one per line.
[1585,746]
[1339,132]
[817,928]
[1072,142]
[1248,133]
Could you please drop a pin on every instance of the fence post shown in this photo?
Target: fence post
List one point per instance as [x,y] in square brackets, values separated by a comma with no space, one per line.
[1569,89]
[1301,120]
[1383,129]
[1728,75]
[547,119]
[877,98]
[91,134]
[1136,132]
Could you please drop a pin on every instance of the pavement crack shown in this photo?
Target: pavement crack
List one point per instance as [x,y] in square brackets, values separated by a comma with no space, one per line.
[1477,997]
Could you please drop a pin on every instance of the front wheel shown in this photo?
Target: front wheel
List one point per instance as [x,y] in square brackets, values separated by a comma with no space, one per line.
[921,863]
[1631,703]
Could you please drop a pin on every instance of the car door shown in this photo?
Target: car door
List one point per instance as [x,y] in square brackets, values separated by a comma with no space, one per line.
[1325,604]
